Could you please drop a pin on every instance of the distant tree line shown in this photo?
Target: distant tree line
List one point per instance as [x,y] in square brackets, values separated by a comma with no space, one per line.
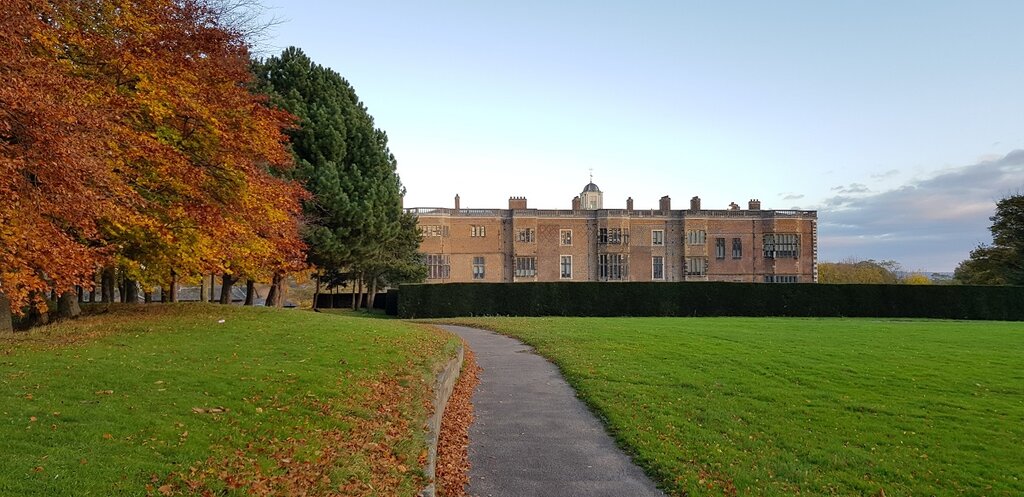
[141,147]
[1001,263]
[869,271]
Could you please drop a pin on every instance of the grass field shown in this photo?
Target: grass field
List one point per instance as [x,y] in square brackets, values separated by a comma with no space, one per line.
[194,398]
[776,406]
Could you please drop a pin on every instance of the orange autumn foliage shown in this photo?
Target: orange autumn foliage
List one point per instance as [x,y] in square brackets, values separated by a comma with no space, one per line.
[128,136]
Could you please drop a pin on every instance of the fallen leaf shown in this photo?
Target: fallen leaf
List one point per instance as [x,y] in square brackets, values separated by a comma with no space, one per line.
[107,436]
[104,392]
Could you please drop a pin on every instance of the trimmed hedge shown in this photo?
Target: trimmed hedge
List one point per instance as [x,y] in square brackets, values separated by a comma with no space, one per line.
[391,302]
[711,299]
[344,301]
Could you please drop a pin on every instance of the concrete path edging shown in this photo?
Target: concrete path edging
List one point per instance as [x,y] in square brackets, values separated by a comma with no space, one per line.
[532,436]
[443,386]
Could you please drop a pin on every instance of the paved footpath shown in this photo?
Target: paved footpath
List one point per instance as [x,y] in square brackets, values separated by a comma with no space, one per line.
[532,437]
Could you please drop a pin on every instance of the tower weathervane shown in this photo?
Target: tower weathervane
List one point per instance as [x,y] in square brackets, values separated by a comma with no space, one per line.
[591,175]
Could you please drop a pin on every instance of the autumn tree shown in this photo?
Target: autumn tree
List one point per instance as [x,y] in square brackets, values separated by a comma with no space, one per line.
[54,176]
[857,271]
[129,140]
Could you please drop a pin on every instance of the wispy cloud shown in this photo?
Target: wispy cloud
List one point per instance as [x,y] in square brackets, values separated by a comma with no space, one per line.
[888,174]
[791,196]
[852,188]
[930,224]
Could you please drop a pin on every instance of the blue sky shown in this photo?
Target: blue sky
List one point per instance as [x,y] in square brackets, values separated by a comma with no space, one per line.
[897,121]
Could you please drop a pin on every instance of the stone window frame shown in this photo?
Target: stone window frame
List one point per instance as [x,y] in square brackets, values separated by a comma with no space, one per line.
[479,262]
[562,267]
[657,241]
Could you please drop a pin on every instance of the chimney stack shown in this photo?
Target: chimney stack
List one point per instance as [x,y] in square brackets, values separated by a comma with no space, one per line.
[666,204]
[755,204]
[695,204]
[576,203]
[516,203]
[456,201]
[629,204]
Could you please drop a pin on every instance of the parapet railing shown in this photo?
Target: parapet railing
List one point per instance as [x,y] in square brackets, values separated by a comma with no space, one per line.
[608,213]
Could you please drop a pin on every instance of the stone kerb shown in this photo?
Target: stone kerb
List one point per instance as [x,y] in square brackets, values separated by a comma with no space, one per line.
[443,386]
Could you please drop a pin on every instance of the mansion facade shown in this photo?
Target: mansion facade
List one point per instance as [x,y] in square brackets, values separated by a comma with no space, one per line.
[591,243]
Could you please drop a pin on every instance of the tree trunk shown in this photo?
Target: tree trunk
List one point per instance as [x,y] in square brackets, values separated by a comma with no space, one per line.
[163,294]
[353,283]
[67,306]
[359,294]
[147,297]
[107,284]
[131,291]
[172,293]
[275,297]
[250,292]
[80,294]
[202,288]
[6,320]
[92,291]
[316,294]
[35,316]
[272,296]
[213,283]
[372,295]
[226,283]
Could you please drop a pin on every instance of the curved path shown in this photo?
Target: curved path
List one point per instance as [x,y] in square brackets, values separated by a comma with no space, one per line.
[532,436]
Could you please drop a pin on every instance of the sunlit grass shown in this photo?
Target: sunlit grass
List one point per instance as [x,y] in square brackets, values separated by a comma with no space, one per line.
[776,406]
[193,397]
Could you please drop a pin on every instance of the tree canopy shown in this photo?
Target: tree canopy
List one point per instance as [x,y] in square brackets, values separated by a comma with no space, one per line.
[854,271]
[354,219]
[129,138]
[1001,263]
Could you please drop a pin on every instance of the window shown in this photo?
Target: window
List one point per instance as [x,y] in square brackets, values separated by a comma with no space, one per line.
[526,266]
[525,235]
[612,236]
[478,231]
[781,278]
[781,246]
[719,248]
[657,237]
[696,237]
[611,266]
[658,267]
[438,267]
[737,248]
[565,237]
[565,265]
[478,268]
[434,230]
[696,266]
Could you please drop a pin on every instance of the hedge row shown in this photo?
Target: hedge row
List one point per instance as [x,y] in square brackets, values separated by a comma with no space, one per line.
[710,299]
[344,301]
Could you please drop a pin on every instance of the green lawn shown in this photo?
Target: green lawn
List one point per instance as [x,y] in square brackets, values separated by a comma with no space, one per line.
[185,399]
[776,406]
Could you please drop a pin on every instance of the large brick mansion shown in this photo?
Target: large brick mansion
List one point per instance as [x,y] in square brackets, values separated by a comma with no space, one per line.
[591,243]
